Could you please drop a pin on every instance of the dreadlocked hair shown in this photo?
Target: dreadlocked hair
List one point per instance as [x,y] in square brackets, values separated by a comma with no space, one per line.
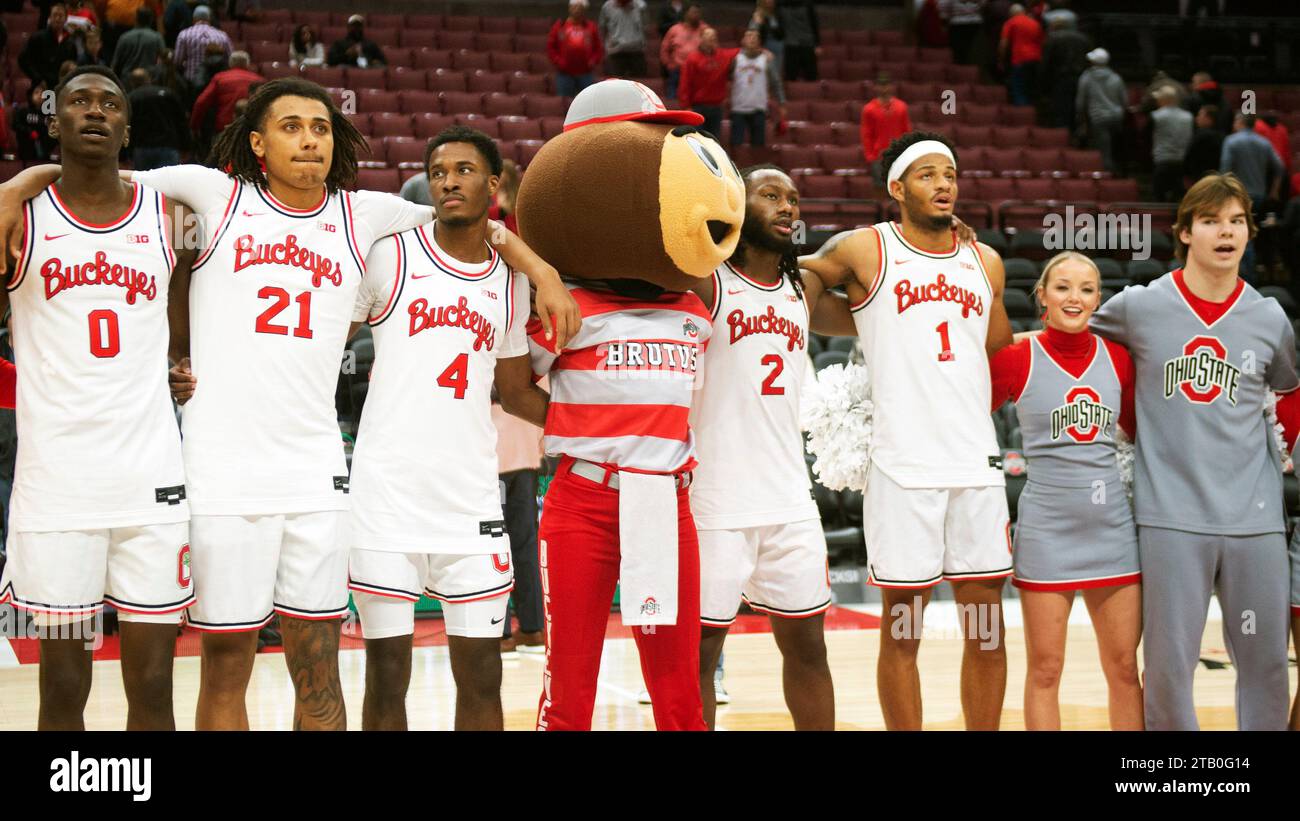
[789,264]
[233,154]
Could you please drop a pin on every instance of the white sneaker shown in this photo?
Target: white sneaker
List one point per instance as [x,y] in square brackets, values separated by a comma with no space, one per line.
[720,695]
[643,697]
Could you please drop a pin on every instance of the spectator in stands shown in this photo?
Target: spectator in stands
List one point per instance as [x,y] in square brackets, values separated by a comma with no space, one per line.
[158,132]
[120,17]
[1206,147]
[931,25]
[622,28]
[1161,81]
[503,208]
[1099,104]
[81,16]
[965,18]
[803,39]
[139,47]
[680,42]
[4,35]
[1171,136]
[1059,10]
[884,119]
[305,48]
[354,49]
[192,45]
[235,83]
[29,126]
[672,13]
[1205,91]
[167,75]
[770,33]
[1065,57]
[91,49]
[704,80]
[1252,158]
[754,77]
[48,48]
[176,18]
[416,190]
[1276,132]
[574,48]
[1021,47]
[66,68]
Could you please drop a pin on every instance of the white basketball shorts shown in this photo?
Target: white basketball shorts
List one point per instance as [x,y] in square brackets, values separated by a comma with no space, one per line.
[777,569]
[474,591]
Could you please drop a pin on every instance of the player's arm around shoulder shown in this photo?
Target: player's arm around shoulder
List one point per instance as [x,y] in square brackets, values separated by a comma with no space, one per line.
[13,193]
[520,396]
[828,311]
[556,308]
[849,258]
[999,335]
[177,221]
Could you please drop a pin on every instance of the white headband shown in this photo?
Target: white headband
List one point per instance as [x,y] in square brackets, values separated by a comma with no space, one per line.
[915,152]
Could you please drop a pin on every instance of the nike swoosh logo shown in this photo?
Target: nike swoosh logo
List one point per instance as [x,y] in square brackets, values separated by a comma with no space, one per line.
[498,621]
[258,214]
[901,261]
[421,276]
[49,238]
[733,293]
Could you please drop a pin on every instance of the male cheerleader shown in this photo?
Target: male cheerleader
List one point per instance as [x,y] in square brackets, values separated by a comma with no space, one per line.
[929,313]
[98,507]
[448,317]
[1207,487]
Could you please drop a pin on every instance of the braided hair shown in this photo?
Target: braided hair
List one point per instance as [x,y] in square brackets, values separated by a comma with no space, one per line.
[788,266]
[233,154]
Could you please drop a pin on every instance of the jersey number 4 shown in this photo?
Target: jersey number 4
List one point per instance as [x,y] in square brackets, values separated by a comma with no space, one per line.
[281,297]
[456,377]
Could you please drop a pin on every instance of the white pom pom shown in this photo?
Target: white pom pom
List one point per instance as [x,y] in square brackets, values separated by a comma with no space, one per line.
[1270,413]
[1124,456]
[836,411]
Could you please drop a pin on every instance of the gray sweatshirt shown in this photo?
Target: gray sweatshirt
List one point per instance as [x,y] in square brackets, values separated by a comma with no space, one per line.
[1101,96]
[622,28]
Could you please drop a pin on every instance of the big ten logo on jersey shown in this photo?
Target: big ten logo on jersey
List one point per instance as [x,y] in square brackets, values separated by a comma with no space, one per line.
[137,239]
[98,271]
[938,291]
[327,227]
[646,358]
[287,252]
[461,315]
[767,322]
[1203,373]
[1083,417]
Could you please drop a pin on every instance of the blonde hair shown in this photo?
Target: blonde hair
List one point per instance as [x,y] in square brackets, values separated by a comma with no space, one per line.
[1056,261]
[1207,196]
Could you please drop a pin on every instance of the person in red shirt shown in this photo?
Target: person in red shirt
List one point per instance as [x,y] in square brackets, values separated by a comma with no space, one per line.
[575,49]
[884,119]
[705,74]
[1022,46]
[1288,416]
[1276,132]
[227,88]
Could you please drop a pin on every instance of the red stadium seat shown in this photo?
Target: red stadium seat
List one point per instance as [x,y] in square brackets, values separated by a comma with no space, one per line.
[428,58]
[999,160]
[457,40]
[813,134]
[333,33]
[540,64]
[533,25]
[249,32]
[524,83]
[838,51]
[856,70]
[385,21]
[862,188]
[798,110]
[971,188]
[1043,161]
[282,16]
[1035,188]
[408,79]
[399,56]
[326,76]
[1012,135]
[821,186]
[466,60]
[933,56]
[526,150]
[447,79]
[551,126]
[390,124]
[267,52]
[480,122]
[405,152]
[826,111]
[426,125]
[973,135]
[910,92]
[418,38]
[900,54]
[841,90]
[997,189]
[1016,115]
[459,102]
[1125,190]
[883,37]
[865,53]
[418,102]
[504,43]
[846,134]
[461,23]
[1081,161]
[486,82]
[954,73]
[376,157]
[520,128]
[972,159]
[1024,216]
[430,22]
[315,19]
[382,36]
[541,105]
[531,43]
[502,105]
[979,114]
[361,120]
[855,37]
[366,78]
[498,25]
[1049,137]
[509,63]
[275,70]
[988,94]
[834,157]
[387,180]
[929,72]
[1084,190]
[373,100]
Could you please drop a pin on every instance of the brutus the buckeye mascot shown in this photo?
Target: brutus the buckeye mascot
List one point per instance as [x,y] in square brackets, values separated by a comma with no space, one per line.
[632,204]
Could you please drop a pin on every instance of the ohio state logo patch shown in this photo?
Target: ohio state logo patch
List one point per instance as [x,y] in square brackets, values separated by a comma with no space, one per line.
[183,566]
[1203,373]
[1083,417]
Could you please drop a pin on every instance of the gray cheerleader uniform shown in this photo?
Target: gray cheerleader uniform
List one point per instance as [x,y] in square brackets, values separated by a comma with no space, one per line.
[1075,527]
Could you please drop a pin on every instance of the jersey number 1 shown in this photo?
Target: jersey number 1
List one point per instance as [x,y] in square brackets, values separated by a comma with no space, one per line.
[456,376]
[945,349]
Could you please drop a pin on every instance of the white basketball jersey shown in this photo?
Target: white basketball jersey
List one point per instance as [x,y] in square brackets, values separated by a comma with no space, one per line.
[746,416]
[270,305]
[424,472]
[98,445]
[923,328]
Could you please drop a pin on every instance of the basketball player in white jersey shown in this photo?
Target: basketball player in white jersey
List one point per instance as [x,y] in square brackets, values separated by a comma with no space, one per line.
[98,507]
[448,319]
[273,297]
[760,532]
[929,313]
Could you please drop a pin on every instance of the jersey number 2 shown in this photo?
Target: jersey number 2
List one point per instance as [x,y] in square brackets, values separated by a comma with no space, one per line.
[105,341]
[456,376]
[281,297]
[777,364]
[945,349]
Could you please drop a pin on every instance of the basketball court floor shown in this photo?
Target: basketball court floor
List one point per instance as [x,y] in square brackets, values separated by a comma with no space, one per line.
[753,678]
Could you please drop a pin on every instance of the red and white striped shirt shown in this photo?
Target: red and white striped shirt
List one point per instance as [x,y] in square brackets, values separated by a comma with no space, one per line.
[621,392]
